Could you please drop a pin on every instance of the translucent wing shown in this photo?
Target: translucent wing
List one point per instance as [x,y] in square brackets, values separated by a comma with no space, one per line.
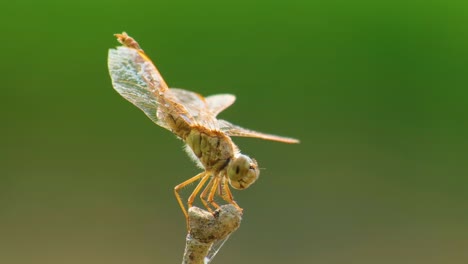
[218,102]
[196,103]
[237,131]
[126,71]
[136,78]
[197,106]
[193,102]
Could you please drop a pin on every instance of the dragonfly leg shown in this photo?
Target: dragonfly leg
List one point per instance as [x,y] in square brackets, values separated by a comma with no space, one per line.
[197,189]
[227,194]
[183,185]
[205,193]
[213,192]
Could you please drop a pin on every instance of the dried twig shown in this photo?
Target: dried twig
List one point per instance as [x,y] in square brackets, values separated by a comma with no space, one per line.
[207,228]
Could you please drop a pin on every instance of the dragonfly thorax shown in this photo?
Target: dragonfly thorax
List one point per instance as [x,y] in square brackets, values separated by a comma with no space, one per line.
[212,149]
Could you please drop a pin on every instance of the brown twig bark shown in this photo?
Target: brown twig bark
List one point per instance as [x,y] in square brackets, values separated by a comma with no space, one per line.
[208,228]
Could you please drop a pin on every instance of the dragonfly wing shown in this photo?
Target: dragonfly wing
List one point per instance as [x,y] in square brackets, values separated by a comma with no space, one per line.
[237,131]
[135,77]
[126,68]
[196,105]
[218,102]
[193,102]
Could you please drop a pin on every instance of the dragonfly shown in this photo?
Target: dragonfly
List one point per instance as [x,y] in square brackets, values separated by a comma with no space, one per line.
[193,119]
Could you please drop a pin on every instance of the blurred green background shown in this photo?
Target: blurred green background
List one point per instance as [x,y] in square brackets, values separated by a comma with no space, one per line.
[375,91]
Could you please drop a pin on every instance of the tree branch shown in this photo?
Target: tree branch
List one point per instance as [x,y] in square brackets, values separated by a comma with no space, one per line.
[207,228]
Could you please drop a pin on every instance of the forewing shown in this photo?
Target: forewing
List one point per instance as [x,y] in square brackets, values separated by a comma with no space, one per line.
[130,78]
[136,78]
[237,131]
[218,102]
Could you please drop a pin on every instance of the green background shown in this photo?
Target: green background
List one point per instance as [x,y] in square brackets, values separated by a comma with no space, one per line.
[376,92]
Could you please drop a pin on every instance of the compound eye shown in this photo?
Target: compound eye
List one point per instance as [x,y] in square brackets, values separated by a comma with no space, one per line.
[242,172]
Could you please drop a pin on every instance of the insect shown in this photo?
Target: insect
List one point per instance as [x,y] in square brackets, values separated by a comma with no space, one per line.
[192,118]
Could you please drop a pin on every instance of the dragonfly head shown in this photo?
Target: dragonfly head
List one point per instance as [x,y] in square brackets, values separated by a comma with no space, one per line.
[242,171]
